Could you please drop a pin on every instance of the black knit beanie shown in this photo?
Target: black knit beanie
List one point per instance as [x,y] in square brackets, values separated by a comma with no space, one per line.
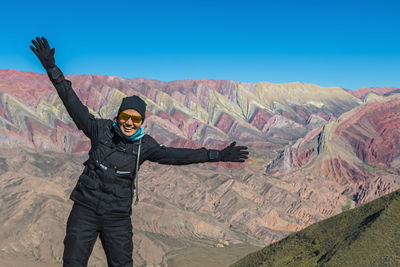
[133,102]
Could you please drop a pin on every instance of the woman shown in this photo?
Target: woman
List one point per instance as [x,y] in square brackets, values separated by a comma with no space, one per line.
[104,191]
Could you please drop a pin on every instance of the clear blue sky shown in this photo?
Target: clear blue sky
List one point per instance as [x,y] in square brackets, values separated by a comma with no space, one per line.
[326,42]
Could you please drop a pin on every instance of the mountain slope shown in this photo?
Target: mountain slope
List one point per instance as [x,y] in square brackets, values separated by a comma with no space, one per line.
[359,150]
[183,208]
[363,92]
[365,236]
[202,111]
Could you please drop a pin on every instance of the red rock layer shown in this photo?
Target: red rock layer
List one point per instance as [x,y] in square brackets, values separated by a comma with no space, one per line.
[374,132]
[363,91]
[351,150]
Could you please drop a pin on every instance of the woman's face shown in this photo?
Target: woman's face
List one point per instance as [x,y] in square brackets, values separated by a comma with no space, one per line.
[128,121]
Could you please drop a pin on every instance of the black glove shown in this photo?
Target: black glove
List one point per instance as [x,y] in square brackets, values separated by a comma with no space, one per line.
[43,51]
[230,153]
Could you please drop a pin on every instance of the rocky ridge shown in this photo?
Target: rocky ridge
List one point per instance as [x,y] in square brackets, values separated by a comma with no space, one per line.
[354,150]
[290,128]
[204,111]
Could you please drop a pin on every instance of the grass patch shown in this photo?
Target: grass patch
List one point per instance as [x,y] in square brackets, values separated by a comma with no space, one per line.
[365,236]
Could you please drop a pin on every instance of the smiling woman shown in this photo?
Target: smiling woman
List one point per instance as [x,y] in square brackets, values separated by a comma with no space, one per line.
[104,191]
[129,121]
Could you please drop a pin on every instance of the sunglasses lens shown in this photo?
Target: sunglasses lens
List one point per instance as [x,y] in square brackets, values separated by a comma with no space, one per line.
[124,117]
[136,119]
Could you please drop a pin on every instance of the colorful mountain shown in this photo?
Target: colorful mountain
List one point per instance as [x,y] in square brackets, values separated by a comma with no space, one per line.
[301,132]
[361,149]
[363,92]
[203,111]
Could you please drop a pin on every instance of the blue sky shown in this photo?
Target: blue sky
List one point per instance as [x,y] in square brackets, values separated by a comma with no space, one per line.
[349,44]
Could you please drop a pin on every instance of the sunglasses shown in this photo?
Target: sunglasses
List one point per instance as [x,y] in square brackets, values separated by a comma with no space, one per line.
[125,117]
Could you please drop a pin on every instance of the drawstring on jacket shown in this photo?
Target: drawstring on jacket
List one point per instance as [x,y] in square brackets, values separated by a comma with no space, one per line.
[137,136]
[136,173]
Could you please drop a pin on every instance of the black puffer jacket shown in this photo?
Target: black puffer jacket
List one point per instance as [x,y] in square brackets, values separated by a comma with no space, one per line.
[107,182]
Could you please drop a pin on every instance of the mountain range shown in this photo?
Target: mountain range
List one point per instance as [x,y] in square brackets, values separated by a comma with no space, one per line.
[314,152]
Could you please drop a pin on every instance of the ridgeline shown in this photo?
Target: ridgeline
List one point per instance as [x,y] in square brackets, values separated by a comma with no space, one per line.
[365,236]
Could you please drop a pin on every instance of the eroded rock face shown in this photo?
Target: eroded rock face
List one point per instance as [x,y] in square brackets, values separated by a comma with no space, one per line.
[351,150]
[374,132]
[315,168]
[31,112]
[382,91]
[180,206]
[296,156]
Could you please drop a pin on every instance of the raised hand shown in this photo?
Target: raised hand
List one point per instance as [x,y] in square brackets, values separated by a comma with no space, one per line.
[43,51]
[234,153]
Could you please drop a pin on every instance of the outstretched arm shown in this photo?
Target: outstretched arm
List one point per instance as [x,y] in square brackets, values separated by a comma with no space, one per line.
[182,156]
[78,112]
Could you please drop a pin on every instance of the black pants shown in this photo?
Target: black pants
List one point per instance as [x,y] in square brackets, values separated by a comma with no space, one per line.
[83,227]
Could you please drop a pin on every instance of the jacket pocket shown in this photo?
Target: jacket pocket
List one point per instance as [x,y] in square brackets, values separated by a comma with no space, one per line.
[88,182]
[123,192]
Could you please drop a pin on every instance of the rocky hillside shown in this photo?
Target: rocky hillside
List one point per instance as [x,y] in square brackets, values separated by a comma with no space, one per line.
[360,150]
[206,112]
[365,236]
[363,92]
[186,212]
